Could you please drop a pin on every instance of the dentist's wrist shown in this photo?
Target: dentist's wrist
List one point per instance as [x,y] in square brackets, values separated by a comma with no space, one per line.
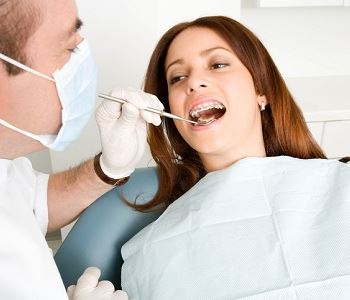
[105,178]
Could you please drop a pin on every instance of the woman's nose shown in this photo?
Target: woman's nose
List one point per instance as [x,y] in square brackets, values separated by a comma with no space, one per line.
[192,89]
[195,84]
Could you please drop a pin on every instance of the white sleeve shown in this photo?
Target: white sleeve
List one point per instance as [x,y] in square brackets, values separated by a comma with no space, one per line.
[35,184]
[40,205]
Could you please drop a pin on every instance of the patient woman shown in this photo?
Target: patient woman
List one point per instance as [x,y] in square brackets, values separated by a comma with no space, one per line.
[253,208]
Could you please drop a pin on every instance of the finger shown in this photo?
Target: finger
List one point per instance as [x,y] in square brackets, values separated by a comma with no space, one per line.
[141,100]
[106,287]
[130,95]
[118,93]
[108,110]
[153,118]
[138,98]
[129,116]
[150,117]
[70,291]
[149,100]
[120,295]
[155,102]
[88,280]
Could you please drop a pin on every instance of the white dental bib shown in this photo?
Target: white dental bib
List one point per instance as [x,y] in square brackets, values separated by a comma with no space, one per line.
[264,228]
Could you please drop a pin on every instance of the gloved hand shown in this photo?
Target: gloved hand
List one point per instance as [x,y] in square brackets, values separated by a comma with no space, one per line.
[123,130]
[88,288]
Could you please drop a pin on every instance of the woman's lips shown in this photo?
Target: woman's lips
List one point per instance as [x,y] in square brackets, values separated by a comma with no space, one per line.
[207,112]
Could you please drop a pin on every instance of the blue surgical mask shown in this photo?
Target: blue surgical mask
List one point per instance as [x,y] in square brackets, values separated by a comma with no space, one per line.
[76,88]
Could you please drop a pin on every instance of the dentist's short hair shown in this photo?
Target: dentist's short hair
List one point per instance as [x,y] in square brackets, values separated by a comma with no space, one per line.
[18,21]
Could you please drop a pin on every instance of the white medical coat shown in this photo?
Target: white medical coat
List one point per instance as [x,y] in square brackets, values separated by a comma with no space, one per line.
[263,228]
[27,268]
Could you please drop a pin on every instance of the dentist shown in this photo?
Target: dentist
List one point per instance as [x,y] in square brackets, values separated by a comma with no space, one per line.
[47,95]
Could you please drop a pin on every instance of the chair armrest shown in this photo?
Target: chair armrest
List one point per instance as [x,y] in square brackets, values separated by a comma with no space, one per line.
[99,233]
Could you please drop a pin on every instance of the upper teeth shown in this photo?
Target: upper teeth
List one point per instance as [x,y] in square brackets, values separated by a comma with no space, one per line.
[195,111]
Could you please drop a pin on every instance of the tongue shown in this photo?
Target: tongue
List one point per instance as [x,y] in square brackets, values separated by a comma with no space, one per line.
[206,118]
[209,115]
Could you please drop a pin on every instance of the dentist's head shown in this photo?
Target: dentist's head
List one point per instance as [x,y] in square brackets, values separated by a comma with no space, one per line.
[47,76]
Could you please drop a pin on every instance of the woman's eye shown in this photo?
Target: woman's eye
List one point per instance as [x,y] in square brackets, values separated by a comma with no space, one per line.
[175,79]
[218,65]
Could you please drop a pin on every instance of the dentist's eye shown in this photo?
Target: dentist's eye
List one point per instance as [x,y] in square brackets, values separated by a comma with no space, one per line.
[73,50]
[219,65]
[176,79]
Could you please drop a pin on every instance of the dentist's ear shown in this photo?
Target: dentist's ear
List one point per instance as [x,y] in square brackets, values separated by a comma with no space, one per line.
[262,102]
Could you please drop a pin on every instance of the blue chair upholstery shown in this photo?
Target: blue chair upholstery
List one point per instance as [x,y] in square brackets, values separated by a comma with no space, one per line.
[99,233]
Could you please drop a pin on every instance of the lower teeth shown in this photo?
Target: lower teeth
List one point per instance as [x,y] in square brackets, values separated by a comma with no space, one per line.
[209,116]
[205,121]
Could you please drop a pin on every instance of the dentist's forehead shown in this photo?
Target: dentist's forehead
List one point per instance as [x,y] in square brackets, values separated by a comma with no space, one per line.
[60,17]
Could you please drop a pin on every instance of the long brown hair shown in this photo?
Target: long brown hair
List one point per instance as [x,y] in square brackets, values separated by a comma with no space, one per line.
[284,128]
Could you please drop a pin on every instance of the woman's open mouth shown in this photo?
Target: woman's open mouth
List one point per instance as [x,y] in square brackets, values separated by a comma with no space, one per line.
[206,113]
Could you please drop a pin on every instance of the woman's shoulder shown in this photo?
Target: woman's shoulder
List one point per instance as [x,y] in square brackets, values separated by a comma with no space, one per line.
[314,165]
[312,162]
[287,169]
[257,166]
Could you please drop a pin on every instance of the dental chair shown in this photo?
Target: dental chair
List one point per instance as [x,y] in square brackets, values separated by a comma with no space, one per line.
[99,233]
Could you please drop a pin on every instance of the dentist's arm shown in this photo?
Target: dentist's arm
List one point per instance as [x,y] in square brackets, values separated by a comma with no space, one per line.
[123,138]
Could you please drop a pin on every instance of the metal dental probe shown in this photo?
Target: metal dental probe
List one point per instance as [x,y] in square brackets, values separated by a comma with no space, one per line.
[150,109]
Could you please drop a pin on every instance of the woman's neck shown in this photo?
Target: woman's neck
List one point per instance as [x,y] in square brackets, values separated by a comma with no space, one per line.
[218,161]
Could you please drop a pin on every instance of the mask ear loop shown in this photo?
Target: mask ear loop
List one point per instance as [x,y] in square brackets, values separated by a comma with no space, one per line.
[28,134]
[24,67]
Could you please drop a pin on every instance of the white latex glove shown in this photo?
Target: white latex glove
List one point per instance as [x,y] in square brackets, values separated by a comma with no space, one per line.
[123,130]
[88,288]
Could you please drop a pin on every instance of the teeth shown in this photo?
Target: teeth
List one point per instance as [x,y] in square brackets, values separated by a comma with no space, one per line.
[195,112]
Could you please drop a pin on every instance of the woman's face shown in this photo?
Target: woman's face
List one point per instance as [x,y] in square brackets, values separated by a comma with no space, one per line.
[207,81]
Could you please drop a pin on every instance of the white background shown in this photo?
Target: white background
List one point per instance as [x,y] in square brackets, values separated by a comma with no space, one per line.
[310,45]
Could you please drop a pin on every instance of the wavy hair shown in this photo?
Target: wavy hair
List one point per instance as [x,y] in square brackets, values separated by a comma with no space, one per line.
[284,129]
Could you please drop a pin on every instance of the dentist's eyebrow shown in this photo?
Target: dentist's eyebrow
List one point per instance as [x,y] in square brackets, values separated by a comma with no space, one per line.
[202,53]
[75,27]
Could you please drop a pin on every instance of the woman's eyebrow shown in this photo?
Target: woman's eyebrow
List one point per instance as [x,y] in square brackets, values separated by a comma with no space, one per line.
[207,51]
[202,53]
[177,61]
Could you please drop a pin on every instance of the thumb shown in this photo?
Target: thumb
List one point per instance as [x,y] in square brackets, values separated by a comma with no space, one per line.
[70,291]
[88,281]
[129,116]
[107,111]
[120,295]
